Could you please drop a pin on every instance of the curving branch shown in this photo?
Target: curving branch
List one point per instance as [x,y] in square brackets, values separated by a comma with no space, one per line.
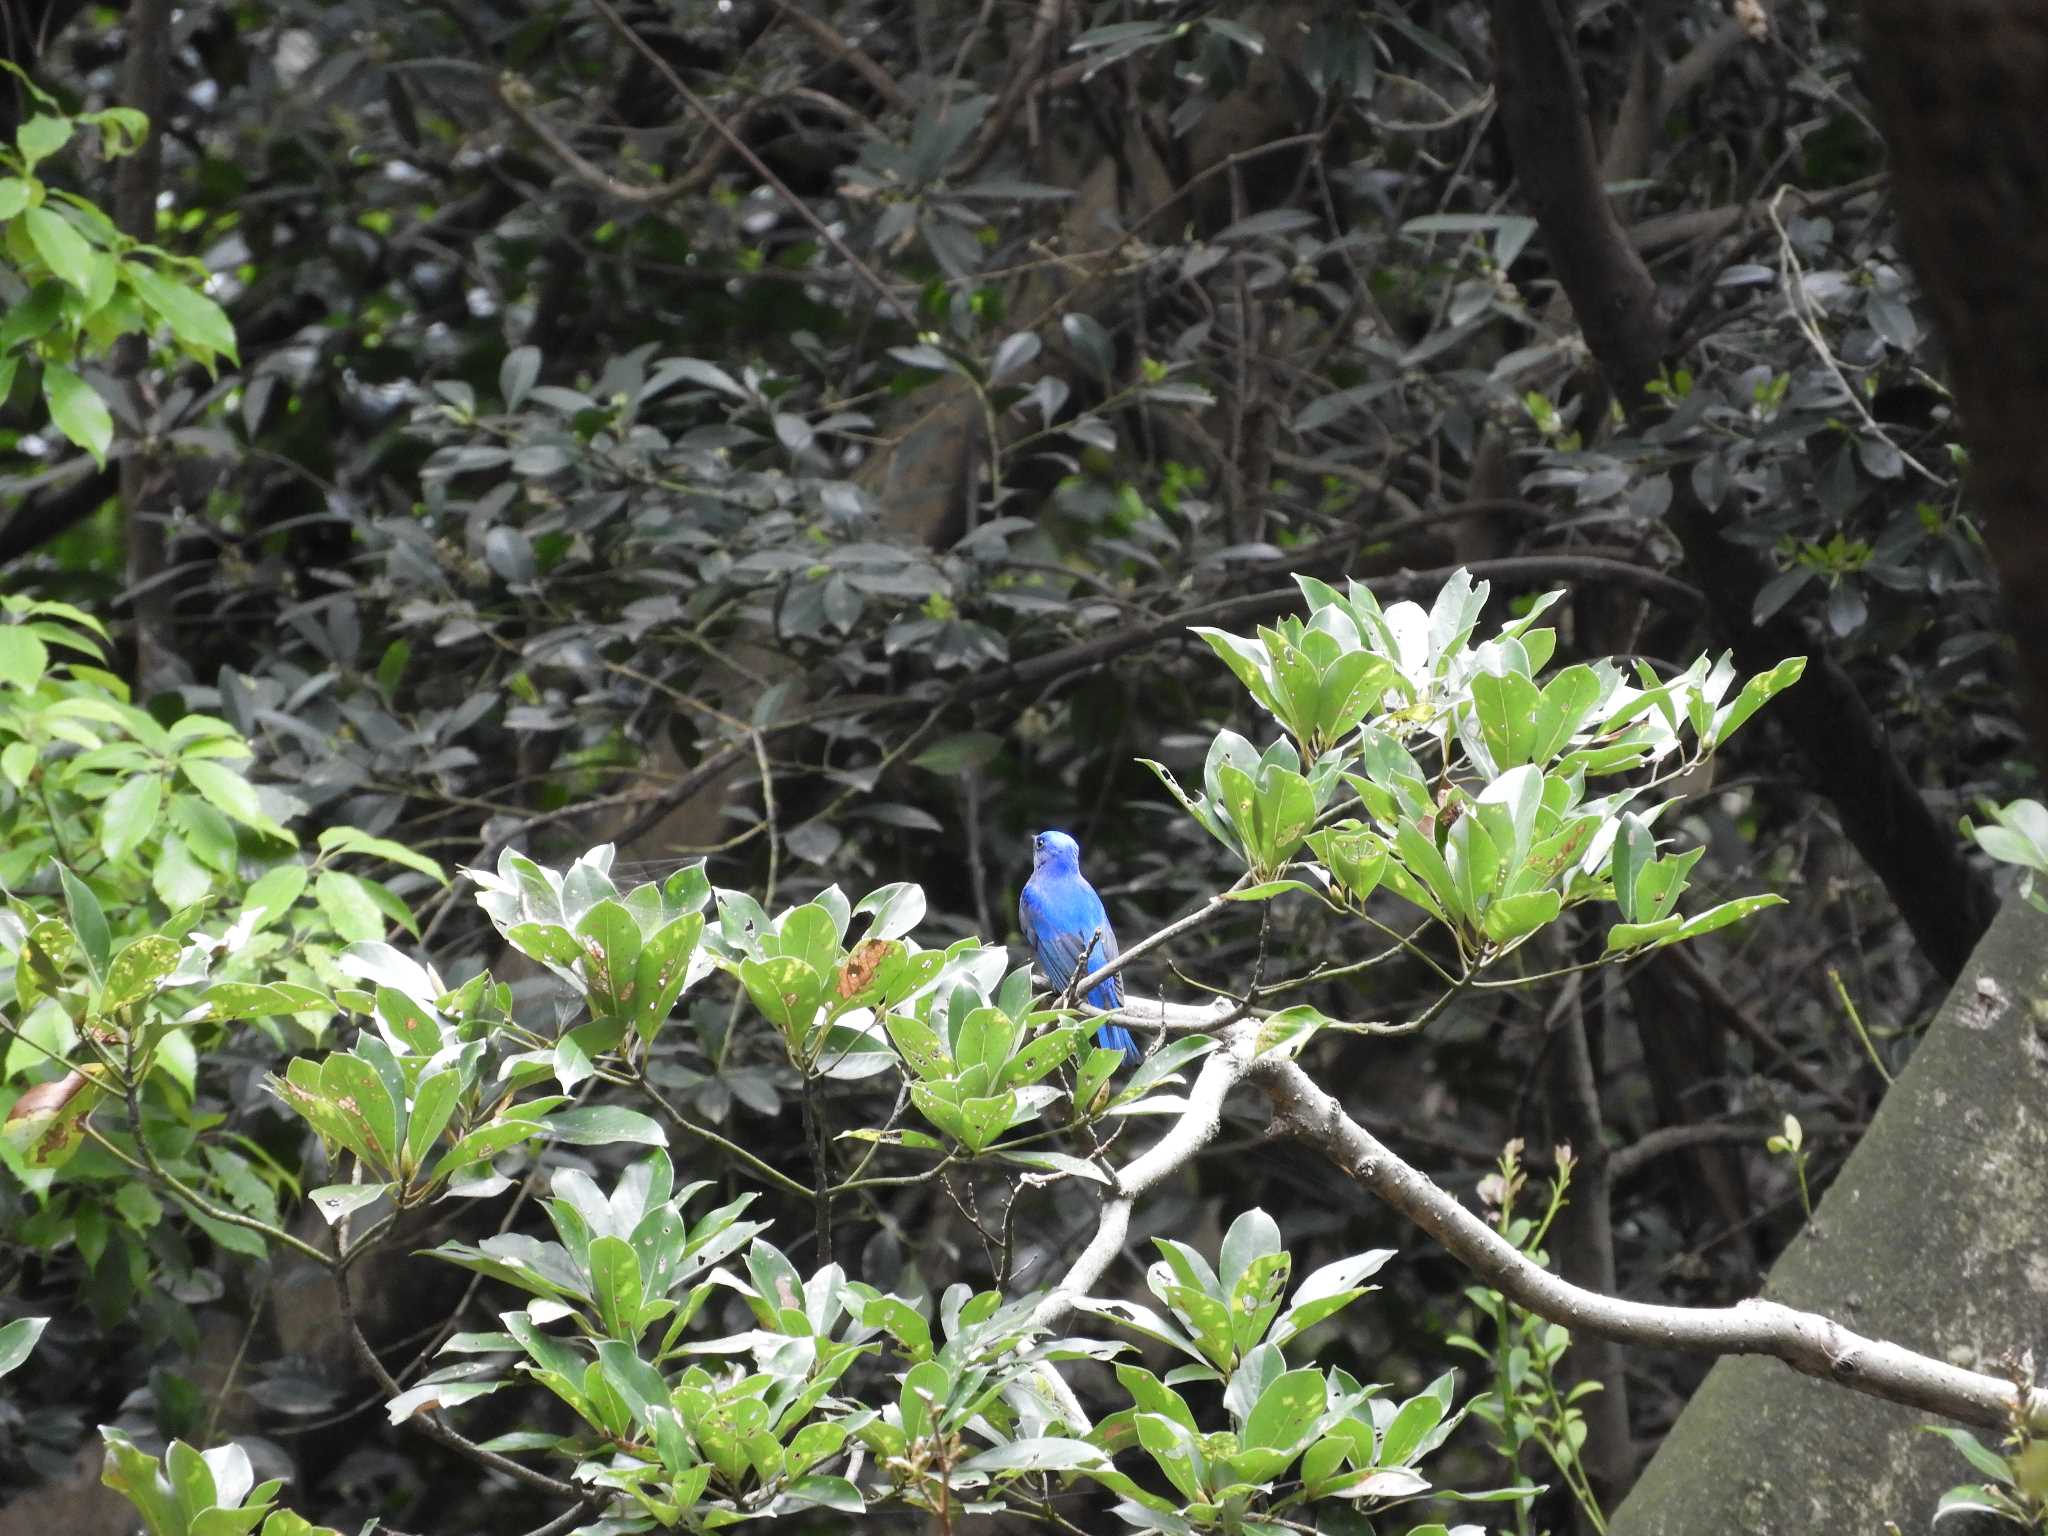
[1194,1129]
[1807,1341]
[879,79]
[995,129]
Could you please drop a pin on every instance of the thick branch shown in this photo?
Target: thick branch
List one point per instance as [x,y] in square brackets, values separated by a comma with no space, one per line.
[1543,106]
[1806,1341]
[142,482]
[1963,123]
[1221,1071]
[37,519]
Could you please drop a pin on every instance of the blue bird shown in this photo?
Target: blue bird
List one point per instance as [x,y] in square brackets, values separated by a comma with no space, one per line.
[1068,931]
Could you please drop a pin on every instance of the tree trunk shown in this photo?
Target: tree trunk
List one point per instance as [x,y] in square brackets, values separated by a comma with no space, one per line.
[1931,1236]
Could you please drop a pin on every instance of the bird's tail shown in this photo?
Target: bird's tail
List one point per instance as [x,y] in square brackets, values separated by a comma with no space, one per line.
[1114,1037]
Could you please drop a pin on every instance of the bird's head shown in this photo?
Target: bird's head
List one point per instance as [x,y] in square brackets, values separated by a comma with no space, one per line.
[1056,851]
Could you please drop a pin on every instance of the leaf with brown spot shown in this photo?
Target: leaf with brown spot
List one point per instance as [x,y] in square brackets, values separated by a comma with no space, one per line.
[863,965]
[48,1121]
[46,1098]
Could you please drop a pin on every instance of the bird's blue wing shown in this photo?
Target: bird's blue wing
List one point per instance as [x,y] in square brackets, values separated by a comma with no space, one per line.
[1050,917]
[1061,919]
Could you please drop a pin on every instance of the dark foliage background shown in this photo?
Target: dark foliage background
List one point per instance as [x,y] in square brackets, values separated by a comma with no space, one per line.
[799,436]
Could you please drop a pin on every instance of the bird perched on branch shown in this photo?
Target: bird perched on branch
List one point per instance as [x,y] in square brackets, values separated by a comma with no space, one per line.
[1069,932]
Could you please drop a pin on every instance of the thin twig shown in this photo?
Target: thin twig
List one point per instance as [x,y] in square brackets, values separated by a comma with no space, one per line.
[884,294]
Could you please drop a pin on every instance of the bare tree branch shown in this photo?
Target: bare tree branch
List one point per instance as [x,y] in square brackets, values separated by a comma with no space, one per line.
[884,83]
[1196,1126]
[1807,1341]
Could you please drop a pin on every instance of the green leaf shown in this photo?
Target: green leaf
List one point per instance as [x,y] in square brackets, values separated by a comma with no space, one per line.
[64,250]
[1634,847]
[968,752]
[1567,699]
[255,1000]
[122,129]
[834,1493]
[1980,1499]
[1420,858]
[598,1125]
[1509,712]
[1514,917]
[897,909]
[335,1201]
[17,1339]
[364,1103]
[233,796]
[1411,1424]
[1727,912]
[199,324]
[1635,935]
[23,658]
[136,969]
[78,411]
[348,905]
[87,920]
[1355,856]
[42,136]
[128,815]
[433,1106]
[209,836]
[1048,1453]
[1979,1455]
[1172,1448]
[139,1479]
[1350,688]
[1660,883]
[14,196]
[1756,693]
[1057,1162]
[275,892]
[395,911]
[350,840]
[1285,1410]
[1326,1291]
[33,316]
[1272,813]
[616,1283]
[786,990]
[919,1044]
[1249,662]
[1253,1235]
[982,1120]
[1270,889]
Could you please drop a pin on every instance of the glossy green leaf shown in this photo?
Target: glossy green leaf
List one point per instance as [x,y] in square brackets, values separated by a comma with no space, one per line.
[17,1339]
[128,816]
[200,325]
[77,409]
